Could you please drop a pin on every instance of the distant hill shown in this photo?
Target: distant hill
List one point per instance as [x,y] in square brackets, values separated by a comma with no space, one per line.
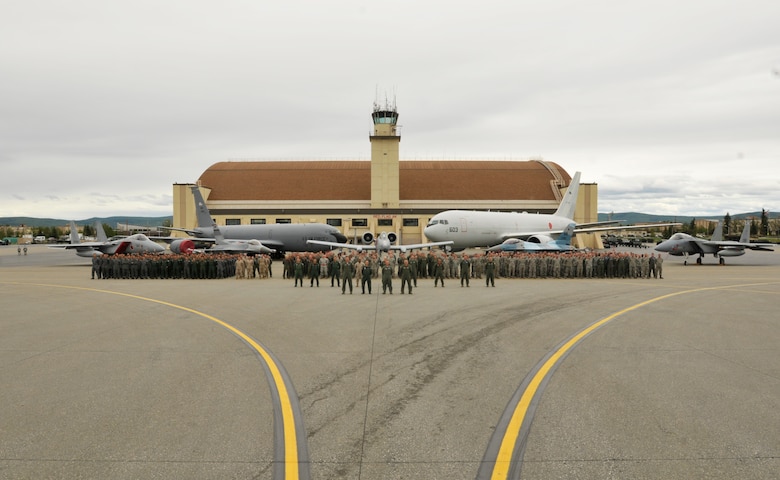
[634,217]
[56,222]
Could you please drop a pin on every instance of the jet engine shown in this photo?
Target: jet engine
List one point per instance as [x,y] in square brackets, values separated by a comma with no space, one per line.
[392,237]
[539,239]
[731,252]
[367,238]
[184,245]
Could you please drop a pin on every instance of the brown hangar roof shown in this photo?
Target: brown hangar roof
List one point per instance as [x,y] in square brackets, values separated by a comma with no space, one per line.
[351,180]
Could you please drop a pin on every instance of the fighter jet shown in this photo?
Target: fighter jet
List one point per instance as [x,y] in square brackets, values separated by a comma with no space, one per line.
[682,244]
[221,245]
[281,237]
[560,244]
[383,242]
[138,243]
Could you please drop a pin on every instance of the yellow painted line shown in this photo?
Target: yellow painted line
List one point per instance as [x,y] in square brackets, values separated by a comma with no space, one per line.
[504,456]
[290,441]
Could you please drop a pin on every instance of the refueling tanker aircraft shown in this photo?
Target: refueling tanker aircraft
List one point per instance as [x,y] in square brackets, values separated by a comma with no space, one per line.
[682,244]
[384,242]
[138,243]
[280,237]
[471,228]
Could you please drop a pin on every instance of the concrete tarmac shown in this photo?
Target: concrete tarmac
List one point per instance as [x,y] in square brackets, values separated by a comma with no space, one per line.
[129,379]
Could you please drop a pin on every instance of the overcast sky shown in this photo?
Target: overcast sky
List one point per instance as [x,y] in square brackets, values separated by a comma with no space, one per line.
[672,107]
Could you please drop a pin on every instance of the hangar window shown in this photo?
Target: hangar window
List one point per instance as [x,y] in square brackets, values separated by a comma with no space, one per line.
[411,222]
[359,222]
[257,221]
[385,222]
[283,220]
[333,222]
[232,221]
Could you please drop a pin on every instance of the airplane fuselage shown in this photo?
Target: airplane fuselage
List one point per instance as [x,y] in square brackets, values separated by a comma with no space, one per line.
[467,229]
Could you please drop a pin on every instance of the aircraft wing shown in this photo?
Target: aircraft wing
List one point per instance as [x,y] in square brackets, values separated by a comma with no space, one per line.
[192,233]
[624,227]
[351,246]
[725,245]
[596,224]
[580,229]
[239,248]
[84,245]
[413,246]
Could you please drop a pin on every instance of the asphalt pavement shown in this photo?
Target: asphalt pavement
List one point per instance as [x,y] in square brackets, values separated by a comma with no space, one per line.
[644,378]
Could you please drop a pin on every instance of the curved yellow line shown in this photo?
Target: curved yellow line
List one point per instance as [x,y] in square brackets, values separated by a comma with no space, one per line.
[504,457]
[290,441]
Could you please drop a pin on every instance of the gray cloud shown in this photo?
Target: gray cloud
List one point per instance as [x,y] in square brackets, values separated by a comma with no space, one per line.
[667,108]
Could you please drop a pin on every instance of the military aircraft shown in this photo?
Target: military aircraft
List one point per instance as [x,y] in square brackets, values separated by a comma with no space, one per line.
[383,242]
[469,229]
[221,245]
[138,243]
[560,244]
[682,244]
[281,237]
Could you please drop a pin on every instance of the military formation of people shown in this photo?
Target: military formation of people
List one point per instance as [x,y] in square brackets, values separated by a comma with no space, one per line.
[363,267]
[342,267]
[143,266]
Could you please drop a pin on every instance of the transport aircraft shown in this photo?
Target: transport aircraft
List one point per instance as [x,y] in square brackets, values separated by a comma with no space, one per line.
[682,244]
[383,242]
[472,228]
[560,244]
[281,237]
[138,243]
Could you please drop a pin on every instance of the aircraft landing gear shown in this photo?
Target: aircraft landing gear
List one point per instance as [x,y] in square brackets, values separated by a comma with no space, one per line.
[722,261]
[698,261]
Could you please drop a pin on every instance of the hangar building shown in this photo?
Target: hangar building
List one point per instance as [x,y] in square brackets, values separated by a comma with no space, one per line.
[381,195]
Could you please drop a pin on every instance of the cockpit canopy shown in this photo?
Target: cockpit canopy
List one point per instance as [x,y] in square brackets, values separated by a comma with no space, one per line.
[438,222]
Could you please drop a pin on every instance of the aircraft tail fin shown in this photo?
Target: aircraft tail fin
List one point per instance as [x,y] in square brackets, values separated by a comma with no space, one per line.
[745,237]
[564,239]
[201,210]
[220,239]
[569,202]
[74,234]
[717,235]
[100,233]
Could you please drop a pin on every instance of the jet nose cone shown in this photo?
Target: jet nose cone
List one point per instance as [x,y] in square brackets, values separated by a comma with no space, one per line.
[340,238]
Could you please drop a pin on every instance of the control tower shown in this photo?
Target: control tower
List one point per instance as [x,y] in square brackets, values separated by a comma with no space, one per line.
[384,158]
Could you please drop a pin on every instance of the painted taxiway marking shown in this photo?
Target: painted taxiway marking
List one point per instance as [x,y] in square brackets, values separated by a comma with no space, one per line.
[295,459]
[504,454]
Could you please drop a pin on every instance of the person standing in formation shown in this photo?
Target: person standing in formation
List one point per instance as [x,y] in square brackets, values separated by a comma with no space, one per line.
[365,277]
[405,272]
[347,272]
[490,272]
[438,273]
[298,271]
[387,277]
[465,270]
[314,272]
